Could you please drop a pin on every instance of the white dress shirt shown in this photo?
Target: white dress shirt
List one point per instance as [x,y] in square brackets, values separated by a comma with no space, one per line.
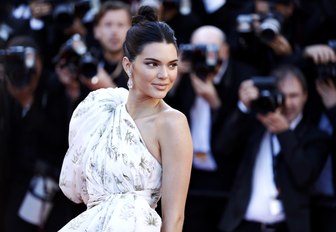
[263,206]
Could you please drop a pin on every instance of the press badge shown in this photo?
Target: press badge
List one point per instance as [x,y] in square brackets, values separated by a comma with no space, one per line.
[275,206]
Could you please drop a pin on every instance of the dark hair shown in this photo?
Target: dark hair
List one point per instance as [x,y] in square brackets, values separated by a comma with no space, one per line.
[282,72]
[146,29]
[111,6]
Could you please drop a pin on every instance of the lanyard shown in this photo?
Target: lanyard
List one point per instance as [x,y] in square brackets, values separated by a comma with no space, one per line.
[275,160]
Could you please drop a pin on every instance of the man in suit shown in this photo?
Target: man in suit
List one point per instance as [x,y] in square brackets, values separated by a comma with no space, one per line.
[281,157]
[110,26]
[206,93]
[323,207]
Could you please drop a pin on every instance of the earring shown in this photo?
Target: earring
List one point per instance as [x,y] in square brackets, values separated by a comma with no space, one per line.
[130,83]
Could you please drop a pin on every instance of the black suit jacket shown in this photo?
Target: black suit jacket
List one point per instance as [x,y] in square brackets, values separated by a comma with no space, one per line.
[302,155]
[331,114]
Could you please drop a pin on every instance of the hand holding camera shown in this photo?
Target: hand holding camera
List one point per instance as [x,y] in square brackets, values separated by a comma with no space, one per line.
[280,45]
[265,26]
[204,63]
[68,79]
[204,58]
[248,92]
[324,56]
[320,53]
[75,56]
[101,80]
[206,89]
[275,122]
[260,95]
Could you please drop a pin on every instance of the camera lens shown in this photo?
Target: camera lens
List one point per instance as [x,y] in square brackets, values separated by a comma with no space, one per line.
[269,28]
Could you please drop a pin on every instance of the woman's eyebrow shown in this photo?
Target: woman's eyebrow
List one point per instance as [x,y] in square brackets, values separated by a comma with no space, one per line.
[156,60]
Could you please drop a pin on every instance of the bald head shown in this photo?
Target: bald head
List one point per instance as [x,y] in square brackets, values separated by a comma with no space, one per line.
[211,35]
[208,35]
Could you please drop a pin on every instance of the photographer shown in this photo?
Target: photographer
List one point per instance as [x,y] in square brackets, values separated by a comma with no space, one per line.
[205,93]
[323,63]
[91,67]
[281,156]
[53,22]
[110,26]
[324,195]
[31,161]
[276,33]
[318,63]
[74,66]
[84,67]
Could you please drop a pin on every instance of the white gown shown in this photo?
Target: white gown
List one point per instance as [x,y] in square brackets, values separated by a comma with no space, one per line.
[109,168]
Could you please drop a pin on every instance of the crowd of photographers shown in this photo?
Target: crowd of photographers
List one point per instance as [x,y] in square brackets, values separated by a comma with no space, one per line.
[236,60]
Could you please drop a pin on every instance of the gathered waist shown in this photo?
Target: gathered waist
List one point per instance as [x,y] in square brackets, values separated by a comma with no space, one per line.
[150,196]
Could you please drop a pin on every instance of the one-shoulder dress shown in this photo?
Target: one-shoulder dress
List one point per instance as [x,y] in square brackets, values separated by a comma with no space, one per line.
[109,168]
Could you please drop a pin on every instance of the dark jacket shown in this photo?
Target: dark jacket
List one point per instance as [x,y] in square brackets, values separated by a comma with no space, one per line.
[303,152]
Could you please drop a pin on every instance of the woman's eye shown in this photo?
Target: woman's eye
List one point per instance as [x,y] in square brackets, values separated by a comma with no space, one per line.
[172,66]
[151,64]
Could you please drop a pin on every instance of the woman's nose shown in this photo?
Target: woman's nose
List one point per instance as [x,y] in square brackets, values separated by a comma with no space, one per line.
[162,73]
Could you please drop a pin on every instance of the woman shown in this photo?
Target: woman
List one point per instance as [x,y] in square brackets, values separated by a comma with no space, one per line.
[127,149]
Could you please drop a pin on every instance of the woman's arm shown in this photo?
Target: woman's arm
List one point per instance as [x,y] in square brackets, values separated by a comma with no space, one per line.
[176,154]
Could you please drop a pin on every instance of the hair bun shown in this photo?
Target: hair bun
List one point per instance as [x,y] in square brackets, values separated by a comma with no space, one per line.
[145,13]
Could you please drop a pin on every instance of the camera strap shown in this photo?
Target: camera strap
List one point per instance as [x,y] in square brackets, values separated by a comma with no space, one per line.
[275,148]
[113,70]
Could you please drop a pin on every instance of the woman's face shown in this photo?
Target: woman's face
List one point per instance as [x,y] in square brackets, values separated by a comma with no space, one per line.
[154,70]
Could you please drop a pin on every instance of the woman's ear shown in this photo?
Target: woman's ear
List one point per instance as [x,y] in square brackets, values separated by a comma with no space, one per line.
[126,63]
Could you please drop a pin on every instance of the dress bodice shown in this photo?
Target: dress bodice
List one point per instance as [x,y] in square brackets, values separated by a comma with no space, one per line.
[109,168]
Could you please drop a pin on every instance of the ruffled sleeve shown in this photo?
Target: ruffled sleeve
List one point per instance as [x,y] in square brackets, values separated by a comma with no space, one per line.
[87,120]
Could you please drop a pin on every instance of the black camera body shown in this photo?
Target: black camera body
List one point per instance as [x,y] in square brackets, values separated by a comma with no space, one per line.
[269,97]
[327,71]
[75,55]
[269,25]
[19,64]
[203,57]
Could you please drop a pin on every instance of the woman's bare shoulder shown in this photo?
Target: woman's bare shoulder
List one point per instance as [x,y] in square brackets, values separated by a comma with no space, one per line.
[173,134]
[171,120]
[170,114]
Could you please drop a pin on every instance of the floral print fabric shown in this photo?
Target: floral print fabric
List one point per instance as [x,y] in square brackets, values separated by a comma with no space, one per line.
[109,168]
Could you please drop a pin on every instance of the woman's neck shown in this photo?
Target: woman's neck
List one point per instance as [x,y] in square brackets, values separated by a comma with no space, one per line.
[142,107]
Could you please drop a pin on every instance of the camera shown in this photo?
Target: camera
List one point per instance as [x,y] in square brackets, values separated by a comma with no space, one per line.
[265,26]
[328,71]
[64,13]
[269,97]
[75,55]
[19,64]
[203,57]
